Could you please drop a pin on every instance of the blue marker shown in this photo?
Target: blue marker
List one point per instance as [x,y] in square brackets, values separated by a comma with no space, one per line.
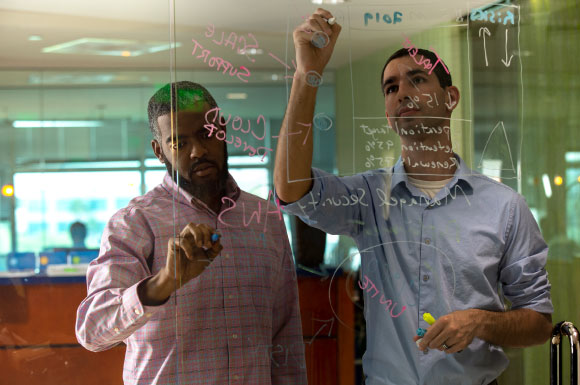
[214,238]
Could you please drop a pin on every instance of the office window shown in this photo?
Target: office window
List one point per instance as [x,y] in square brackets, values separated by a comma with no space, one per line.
[49,202]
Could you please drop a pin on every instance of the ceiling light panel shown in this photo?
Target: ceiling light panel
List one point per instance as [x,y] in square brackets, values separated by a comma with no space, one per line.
[108,47]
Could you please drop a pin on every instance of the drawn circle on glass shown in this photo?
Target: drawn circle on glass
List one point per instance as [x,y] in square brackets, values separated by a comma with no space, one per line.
[320,39]
[313,78]
[451,277]
[322,121]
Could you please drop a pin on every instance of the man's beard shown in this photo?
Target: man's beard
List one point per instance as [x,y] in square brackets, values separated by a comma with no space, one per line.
[201,191]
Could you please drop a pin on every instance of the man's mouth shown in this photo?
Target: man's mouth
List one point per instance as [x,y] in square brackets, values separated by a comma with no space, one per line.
[204,169]
[406,111]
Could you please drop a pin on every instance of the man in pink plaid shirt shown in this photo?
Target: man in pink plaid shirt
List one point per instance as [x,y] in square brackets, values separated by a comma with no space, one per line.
[191,308]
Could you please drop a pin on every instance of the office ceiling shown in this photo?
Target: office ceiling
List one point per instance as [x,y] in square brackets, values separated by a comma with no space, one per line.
[269,21]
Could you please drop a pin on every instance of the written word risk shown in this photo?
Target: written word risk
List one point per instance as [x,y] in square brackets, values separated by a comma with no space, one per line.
[425,62]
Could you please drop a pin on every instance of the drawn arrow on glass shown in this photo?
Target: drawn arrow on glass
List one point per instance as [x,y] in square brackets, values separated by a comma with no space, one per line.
[326,322]
[507,61]
[485,31]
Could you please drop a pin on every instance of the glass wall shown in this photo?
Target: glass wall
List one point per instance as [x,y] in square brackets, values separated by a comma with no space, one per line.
[75,80]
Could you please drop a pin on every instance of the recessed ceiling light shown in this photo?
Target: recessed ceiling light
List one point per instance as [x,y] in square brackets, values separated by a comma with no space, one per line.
[251,51]
[237,95]
[275,77]
[327,1]
[34,38]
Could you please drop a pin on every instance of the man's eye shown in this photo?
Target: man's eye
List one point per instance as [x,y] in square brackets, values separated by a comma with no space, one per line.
[390,89]
[418,80]
[177,145]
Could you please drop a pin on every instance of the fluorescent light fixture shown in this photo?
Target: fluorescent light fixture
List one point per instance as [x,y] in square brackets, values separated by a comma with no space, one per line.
[547,185]
[251,51]
[237,95]
[109,47]
[572,157]
[255,160]
[153,163]
[327,1]
[72,78]
[67,166]
[56,123]
[34,38]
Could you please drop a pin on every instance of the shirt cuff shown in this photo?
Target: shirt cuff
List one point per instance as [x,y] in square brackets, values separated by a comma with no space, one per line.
[134,309]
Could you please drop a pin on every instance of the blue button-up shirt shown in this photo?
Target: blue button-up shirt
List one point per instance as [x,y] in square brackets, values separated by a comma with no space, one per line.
[473,245]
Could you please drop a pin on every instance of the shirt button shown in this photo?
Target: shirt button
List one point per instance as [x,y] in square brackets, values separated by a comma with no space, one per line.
[236,377]
[230,296]
[427,241]
[227,256]
[234,336]
[137,311]
[425,278]
[116,330]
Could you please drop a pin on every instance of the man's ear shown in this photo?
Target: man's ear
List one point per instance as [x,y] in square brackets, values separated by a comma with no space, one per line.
[157,150]
[452,98]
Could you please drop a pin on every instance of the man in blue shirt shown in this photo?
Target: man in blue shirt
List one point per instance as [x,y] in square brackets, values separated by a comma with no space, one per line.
[434,236]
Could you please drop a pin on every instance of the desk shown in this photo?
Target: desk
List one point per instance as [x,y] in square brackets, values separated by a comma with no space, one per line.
[38,344]
[37,338]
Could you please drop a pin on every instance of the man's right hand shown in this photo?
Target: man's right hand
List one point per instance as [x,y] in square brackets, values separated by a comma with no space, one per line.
[292,176]
[188,255]
[308,56]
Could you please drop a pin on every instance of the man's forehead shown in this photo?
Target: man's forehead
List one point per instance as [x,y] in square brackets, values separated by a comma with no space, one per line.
[186,119]
[401,67]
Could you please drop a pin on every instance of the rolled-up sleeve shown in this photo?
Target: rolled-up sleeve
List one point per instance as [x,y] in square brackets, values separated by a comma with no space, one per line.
[333,204]
[523,270]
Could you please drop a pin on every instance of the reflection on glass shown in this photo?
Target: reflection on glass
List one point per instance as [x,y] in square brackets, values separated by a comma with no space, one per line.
[48,203]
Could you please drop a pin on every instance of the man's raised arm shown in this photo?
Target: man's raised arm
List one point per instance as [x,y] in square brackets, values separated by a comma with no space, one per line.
[314,42]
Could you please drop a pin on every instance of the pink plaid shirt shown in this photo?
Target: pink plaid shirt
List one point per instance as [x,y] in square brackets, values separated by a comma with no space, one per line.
[237,323]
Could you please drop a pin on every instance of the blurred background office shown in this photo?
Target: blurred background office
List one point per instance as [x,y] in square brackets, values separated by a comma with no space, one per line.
[75,78]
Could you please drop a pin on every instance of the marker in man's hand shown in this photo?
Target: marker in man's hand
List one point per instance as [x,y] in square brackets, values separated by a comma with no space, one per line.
[320,39]
[330,21]
[421,332]
[214,238]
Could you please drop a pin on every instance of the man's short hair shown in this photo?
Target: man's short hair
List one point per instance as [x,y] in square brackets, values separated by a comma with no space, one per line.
[442,75]
[177,96]
[78,230]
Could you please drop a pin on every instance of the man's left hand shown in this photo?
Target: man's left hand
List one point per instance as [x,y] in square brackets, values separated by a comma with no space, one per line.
[456,330]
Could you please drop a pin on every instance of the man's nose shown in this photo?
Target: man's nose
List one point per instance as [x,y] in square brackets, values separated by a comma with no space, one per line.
[198,150]
[405,90]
